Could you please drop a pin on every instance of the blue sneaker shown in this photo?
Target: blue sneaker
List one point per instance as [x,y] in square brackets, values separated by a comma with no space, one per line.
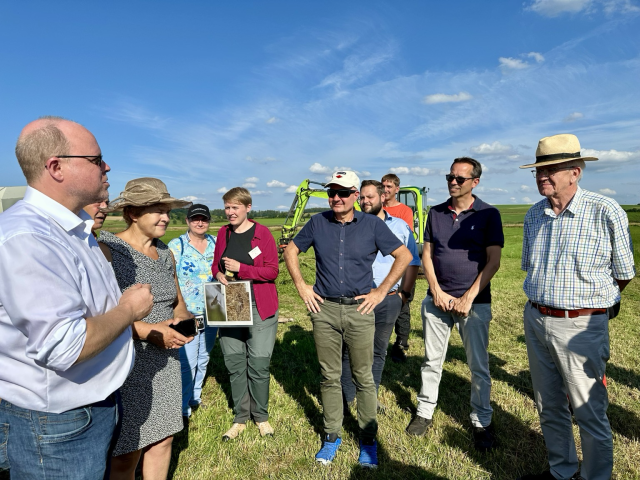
[368,455]
[329,449]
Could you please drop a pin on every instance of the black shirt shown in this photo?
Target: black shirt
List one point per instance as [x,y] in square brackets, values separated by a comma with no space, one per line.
[238,247]
[459,244]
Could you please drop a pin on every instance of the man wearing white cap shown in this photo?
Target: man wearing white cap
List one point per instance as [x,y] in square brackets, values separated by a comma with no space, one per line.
[341,304]
[578,257]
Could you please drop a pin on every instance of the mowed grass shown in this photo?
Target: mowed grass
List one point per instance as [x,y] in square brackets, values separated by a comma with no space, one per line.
[447,451]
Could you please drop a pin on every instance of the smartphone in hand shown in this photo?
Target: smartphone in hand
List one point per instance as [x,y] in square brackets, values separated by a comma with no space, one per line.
[186,327]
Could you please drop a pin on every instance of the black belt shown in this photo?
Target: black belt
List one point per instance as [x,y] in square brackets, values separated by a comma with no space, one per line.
[344,300]
[110,401]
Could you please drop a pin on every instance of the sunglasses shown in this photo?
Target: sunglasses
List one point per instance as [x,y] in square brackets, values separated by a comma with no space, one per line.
[95,159]
[341,192]
[459,180]
[544,172]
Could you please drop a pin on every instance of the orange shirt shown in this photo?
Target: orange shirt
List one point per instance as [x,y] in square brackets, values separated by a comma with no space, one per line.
[403,212]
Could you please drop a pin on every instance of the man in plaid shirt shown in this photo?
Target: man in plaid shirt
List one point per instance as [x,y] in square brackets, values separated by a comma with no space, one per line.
[578,256]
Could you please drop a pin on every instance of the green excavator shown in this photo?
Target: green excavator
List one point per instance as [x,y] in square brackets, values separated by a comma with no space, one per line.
[414,197]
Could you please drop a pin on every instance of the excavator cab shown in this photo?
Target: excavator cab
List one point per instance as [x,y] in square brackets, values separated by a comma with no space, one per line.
[414,197]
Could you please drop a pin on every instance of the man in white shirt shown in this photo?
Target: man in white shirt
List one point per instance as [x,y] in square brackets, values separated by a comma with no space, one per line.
[65,329]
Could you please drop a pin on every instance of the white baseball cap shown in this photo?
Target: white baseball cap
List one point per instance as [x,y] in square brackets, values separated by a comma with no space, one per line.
[345,178]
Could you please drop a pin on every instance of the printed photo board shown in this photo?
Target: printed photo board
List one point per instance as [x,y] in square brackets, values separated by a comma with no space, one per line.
[228,305]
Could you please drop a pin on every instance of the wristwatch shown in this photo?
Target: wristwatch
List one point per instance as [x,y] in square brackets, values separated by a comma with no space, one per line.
[406,294]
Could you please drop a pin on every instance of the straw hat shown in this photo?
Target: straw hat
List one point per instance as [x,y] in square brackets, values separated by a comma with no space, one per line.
[558,149]
[143,192]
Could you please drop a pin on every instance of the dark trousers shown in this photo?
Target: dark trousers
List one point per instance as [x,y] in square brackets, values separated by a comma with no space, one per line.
[386,313]
[247,355]
[403,323]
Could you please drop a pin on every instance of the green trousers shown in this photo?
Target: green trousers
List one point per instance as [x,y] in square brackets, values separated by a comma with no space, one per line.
[247,355]
[332,326]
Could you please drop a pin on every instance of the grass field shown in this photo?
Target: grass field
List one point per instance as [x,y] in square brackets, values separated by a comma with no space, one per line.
[447,451]
[512,215]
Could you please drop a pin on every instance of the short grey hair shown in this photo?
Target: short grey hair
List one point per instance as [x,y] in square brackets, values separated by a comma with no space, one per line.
[36,147]
[579,164]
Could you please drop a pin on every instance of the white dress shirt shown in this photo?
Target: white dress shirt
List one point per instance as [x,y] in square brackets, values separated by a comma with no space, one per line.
[53,276]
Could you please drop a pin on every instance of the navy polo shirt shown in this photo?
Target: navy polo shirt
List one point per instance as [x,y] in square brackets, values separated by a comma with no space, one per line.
[459,244]
[345,252]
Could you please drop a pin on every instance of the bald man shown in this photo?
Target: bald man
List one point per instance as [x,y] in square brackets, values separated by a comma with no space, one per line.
[65,329]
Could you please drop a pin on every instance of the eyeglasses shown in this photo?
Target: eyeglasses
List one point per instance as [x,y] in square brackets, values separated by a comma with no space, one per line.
[199,218]
[459,180]
[341,192]
[548,172]
[95,159]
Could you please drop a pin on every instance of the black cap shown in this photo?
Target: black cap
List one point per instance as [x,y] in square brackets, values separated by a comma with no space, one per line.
[199,209]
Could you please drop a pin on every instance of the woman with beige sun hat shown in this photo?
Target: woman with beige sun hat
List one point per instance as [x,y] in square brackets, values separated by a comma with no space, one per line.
[151,395]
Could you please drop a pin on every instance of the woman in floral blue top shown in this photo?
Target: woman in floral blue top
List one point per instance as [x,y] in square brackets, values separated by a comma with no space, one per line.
[193,252]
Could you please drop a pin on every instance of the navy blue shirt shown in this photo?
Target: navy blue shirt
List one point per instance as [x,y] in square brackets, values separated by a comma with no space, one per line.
[459,244]
[345,252]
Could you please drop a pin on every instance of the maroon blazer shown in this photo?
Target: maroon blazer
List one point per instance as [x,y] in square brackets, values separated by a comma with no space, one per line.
[263,272]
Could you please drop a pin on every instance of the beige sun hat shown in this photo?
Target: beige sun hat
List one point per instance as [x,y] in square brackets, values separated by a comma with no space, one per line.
[561,148]
[143,192]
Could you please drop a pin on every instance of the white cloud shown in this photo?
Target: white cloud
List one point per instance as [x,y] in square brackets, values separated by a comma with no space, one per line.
[272,120]
[495,148]
[282,207]
[252,179]
[525,188]
[318,168]
[611,156]
[249,185]
[553,8]
[536,56]
[222,190]
[260,192]
[572,117]
[276,183]
[431,200]
[607,191]
[444,98]
[527,200]
[497,190]
[418,171]
[292,189]
[509,63]
[512,199]
[189,198]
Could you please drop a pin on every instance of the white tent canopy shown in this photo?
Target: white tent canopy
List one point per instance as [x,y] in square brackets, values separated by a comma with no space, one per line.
[10,195]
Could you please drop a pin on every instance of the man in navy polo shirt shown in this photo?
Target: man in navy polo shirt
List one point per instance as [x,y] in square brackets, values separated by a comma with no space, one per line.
[462,247]
[341,304]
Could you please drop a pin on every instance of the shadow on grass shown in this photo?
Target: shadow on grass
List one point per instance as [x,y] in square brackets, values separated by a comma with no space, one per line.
[392,469]
[294,365]
[623,376]
[180,444]
[521,449]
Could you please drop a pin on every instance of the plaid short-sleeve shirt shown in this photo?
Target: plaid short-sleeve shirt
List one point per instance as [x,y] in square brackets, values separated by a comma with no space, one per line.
[573,259]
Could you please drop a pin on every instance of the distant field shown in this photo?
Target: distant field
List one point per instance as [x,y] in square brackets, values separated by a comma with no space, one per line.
[511,215]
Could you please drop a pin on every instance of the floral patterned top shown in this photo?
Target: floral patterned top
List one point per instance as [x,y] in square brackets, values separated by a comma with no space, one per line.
[193,269]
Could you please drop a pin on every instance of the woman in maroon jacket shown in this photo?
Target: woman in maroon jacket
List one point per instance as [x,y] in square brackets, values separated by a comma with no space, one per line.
[246,250]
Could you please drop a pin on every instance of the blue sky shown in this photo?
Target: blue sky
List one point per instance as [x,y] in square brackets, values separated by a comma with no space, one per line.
[212,95]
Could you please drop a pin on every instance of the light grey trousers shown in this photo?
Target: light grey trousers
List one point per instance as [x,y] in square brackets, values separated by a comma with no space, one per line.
[569,356]
[474,332]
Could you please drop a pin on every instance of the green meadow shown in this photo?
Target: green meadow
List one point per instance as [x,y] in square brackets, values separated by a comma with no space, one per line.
[447,450]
